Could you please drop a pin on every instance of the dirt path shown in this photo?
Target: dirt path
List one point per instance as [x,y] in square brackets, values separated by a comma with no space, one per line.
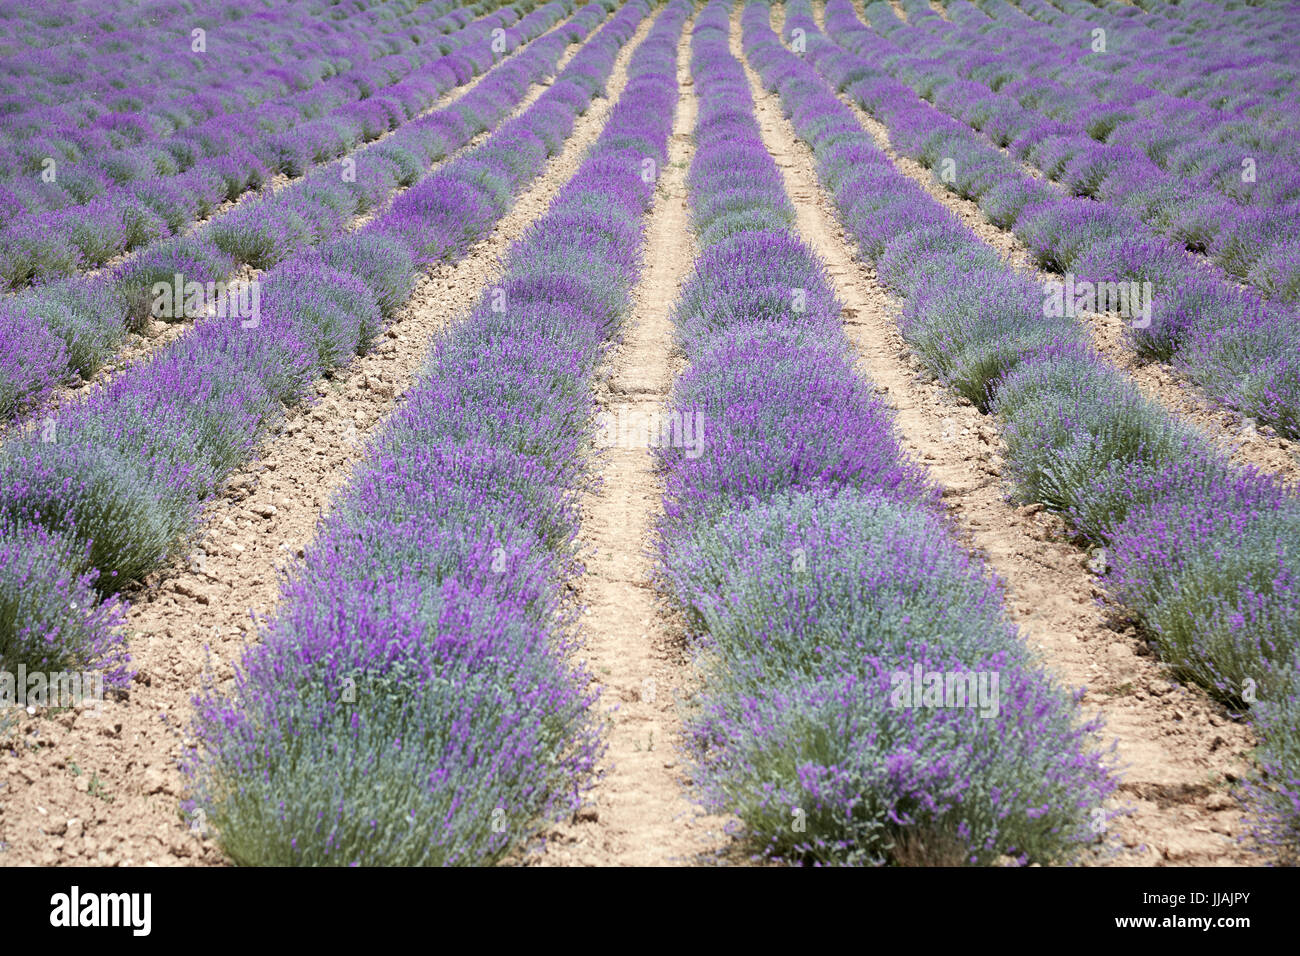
[1178,746]
[86,789]
[1230,430]
[639,813]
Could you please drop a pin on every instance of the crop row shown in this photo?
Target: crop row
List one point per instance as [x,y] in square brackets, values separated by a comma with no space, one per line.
[262,61]
[1205,554]
[817,567]
[1188,47]
[68,329]
[414,701]
[1218,179]
[110,489]
[149,193]
[1240,348]
[103,50]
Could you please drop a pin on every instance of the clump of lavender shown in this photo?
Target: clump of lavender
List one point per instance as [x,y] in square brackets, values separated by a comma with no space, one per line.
[51,617]
[89,316]
[1273,797]
[1209,556]
[30,253]
[260,234]
[194,260]
[384,265]
[32,358]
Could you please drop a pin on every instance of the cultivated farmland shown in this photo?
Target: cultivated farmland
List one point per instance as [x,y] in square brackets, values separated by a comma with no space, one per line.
[650,432]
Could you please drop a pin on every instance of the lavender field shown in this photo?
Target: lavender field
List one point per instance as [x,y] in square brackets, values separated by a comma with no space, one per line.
[650,432]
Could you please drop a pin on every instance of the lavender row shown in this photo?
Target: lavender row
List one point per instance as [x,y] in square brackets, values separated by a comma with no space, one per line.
[258,61]
[1240,348]
[1215,181]
[1205,554]
[1182,27]
[68,329]
[816,567]
[312,68]
[142,198]
[434,593]
[1209,57]
[1116,148]
[111,488]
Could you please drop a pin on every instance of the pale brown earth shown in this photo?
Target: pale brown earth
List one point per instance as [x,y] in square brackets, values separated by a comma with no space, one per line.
[1238,436]
[119,806]
[639,813]
[1179,749]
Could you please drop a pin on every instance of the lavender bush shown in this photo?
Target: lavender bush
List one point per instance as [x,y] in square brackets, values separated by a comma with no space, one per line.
[814,564]
[436,715]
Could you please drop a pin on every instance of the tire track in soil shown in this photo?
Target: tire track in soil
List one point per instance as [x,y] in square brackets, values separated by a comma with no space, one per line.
[1232,431]
[1177,747]
[639,812]
[138,346]
[266,516]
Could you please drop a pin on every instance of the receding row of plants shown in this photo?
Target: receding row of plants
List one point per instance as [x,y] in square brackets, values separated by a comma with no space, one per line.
[104,82]
[1225,63]
[1240,348]
[112,487]
[415,700]
[74,206]
[818,572]
[106,74]
[1205,554]
[68,329]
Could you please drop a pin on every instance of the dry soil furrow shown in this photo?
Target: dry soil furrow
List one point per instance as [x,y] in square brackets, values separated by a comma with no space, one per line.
[52,810]
[1237,437]
[639,813]
[1173,740]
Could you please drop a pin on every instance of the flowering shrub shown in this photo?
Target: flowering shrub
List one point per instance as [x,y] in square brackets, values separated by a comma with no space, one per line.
[435,715]
[814,565]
